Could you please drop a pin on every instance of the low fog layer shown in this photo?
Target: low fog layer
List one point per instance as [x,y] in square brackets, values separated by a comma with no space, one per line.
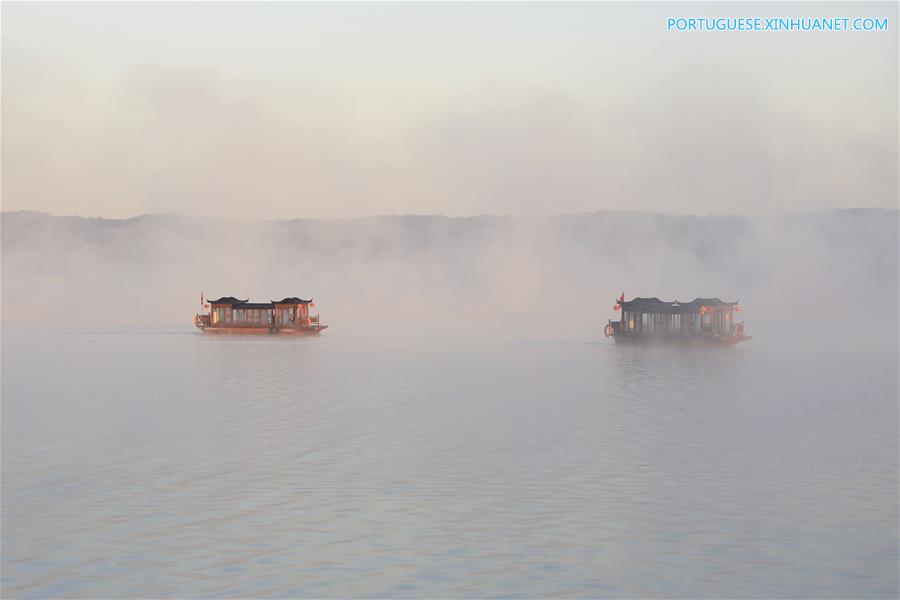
[538,278]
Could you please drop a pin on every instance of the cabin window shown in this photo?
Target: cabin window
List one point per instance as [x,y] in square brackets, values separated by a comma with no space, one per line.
[707,319]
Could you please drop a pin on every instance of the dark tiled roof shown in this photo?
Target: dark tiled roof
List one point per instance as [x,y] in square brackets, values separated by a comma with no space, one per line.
[291,300]
[238,303]
[227,300]
[655,305]
[253,305]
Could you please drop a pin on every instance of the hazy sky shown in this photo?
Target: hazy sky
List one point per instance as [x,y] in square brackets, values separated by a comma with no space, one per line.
[336,110]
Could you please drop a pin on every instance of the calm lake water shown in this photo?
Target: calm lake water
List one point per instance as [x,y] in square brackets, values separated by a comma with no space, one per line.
[173,465]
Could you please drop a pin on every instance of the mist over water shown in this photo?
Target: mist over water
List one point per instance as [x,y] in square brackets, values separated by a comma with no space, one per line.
[463,429]
[554,277]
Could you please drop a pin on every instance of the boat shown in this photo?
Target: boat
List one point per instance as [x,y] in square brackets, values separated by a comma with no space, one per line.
[702,320]
[230,315]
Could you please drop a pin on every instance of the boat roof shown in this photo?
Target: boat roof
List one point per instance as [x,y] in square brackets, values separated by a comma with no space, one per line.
[655,305]
[238,303]
[253,305]
[291,300]
[227,300]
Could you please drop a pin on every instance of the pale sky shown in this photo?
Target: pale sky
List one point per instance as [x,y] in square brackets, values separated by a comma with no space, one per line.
[280,110]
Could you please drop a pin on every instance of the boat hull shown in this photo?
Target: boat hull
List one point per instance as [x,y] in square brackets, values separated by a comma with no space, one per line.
[315,330]
[730,340]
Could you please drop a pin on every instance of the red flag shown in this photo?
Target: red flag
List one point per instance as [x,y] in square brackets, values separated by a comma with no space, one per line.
[622,297]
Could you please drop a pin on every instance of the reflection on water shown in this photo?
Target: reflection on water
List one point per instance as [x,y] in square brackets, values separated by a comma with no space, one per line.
[178,465]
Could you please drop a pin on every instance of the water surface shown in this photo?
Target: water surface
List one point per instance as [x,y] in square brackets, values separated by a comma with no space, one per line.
[173,465]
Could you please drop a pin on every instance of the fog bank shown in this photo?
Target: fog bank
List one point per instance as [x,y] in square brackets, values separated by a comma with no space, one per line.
[537,278]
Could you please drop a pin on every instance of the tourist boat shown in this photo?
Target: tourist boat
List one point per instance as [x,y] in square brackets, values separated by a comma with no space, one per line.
[702,320]
[289,316]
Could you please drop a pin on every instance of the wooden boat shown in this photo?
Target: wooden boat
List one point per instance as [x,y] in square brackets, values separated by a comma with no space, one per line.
[702,320]
[229,315]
